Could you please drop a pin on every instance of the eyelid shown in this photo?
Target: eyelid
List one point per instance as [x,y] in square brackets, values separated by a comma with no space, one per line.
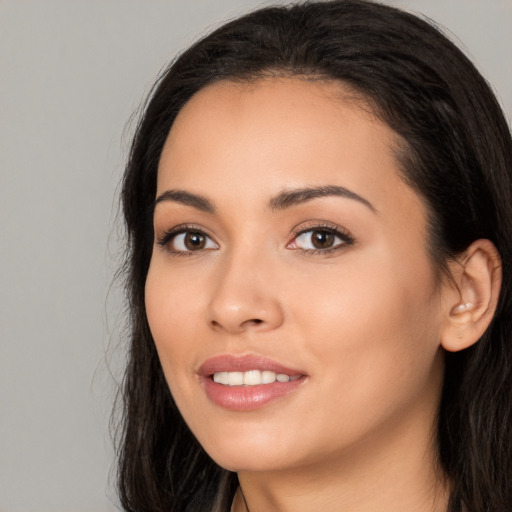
[343,234]
[167,236]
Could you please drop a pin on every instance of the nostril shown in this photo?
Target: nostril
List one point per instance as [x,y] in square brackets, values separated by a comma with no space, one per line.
[237,327]
[252,321]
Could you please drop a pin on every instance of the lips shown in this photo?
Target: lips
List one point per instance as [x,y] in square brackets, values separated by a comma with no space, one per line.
[247,382]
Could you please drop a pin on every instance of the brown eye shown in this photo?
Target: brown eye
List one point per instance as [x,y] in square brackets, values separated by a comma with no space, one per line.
[194,241]
[321,239]
[189,241]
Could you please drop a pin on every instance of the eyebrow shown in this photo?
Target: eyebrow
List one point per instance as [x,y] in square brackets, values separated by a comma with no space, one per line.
[188,199]
[294,197]
[284,200]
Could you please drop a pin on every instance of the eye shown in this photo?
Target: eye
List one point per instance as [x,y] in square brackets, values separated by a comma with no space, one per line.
[186,241]
[320,239]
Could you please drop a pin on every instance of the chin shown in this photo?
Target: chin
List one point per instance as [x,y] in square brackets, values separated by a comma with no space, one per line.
[249,463]
[240,455]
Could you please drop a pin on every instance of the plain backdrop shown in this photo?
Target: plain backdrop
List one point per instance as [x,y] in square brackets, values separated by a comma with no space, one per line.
[72,73]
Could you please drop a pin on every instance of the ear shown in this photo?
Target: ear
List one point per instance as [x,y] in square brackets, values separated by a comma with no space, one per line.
[470,300]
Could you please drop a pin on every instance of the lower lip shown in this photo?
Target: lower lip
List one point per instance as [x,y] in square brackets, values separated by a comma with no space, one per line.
[248,398]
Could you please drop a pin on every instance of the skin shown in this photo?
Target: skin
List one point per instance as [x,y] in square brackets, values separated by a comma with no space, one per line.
[364,321]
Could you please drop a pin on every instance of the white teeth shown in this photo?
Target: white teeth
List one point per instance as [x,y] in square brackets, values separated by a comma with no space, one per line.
[267,377]
[251,378]
[235,378]
[221,378]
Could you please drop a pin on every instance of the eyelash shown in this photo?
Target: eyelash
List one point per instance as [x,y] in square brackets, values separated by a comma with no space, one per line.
[345,237]
[168,236]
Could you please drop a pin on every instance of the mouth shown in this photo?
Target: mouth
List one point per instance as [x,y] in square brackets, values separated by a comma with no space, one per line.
[244,383]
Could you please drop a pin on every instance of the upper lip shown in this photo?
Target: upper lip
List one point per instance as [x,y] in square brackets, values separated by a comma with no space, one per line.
[232,363]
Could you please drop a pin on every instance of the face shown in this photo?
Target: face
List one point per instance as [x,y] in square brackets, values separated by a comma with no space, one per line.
[290,292]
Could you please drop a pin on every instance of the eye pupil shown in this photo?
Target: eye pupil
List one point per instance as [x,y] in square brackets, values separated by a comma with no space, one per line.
[194,241]
[322,239]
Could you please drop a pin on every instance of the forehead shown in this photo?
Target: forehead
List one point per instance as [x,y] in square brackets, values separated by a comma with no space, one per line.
[267,107]
[275,133]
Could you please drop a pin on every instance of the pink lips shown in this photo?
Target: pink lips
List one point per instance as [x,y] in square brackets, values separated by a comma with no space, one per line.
[246,398]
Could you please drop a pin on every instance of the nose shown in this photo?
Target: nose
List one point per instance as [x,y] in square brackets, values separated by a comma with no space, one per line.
[245,297]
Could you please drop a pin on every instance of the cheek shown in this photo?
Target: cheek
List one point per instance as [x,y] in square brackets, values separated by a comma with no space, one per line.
[368,292]
[172,298]
[159,304]
[172,310]
[375,331]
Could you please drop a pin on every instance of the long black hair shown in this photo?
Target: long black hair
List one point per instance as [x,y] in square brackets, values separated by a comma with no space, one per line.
[457,155]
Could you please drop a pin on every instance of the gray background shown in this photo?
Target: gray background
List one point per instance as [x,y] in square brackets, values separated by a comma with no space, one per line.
[71,74]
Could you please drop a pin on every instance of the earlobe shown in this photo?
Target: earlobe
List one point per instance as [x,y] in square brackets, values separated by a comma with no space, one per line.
[473,296]
[461,308]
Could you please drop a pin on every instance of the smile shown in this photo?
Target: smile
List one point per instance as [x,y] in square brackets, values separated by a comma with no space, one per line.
[251,378]
[248,382]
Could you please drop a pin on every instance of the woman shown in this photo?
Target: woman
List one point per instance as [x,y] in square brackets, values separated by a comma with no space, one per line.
[319,221]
